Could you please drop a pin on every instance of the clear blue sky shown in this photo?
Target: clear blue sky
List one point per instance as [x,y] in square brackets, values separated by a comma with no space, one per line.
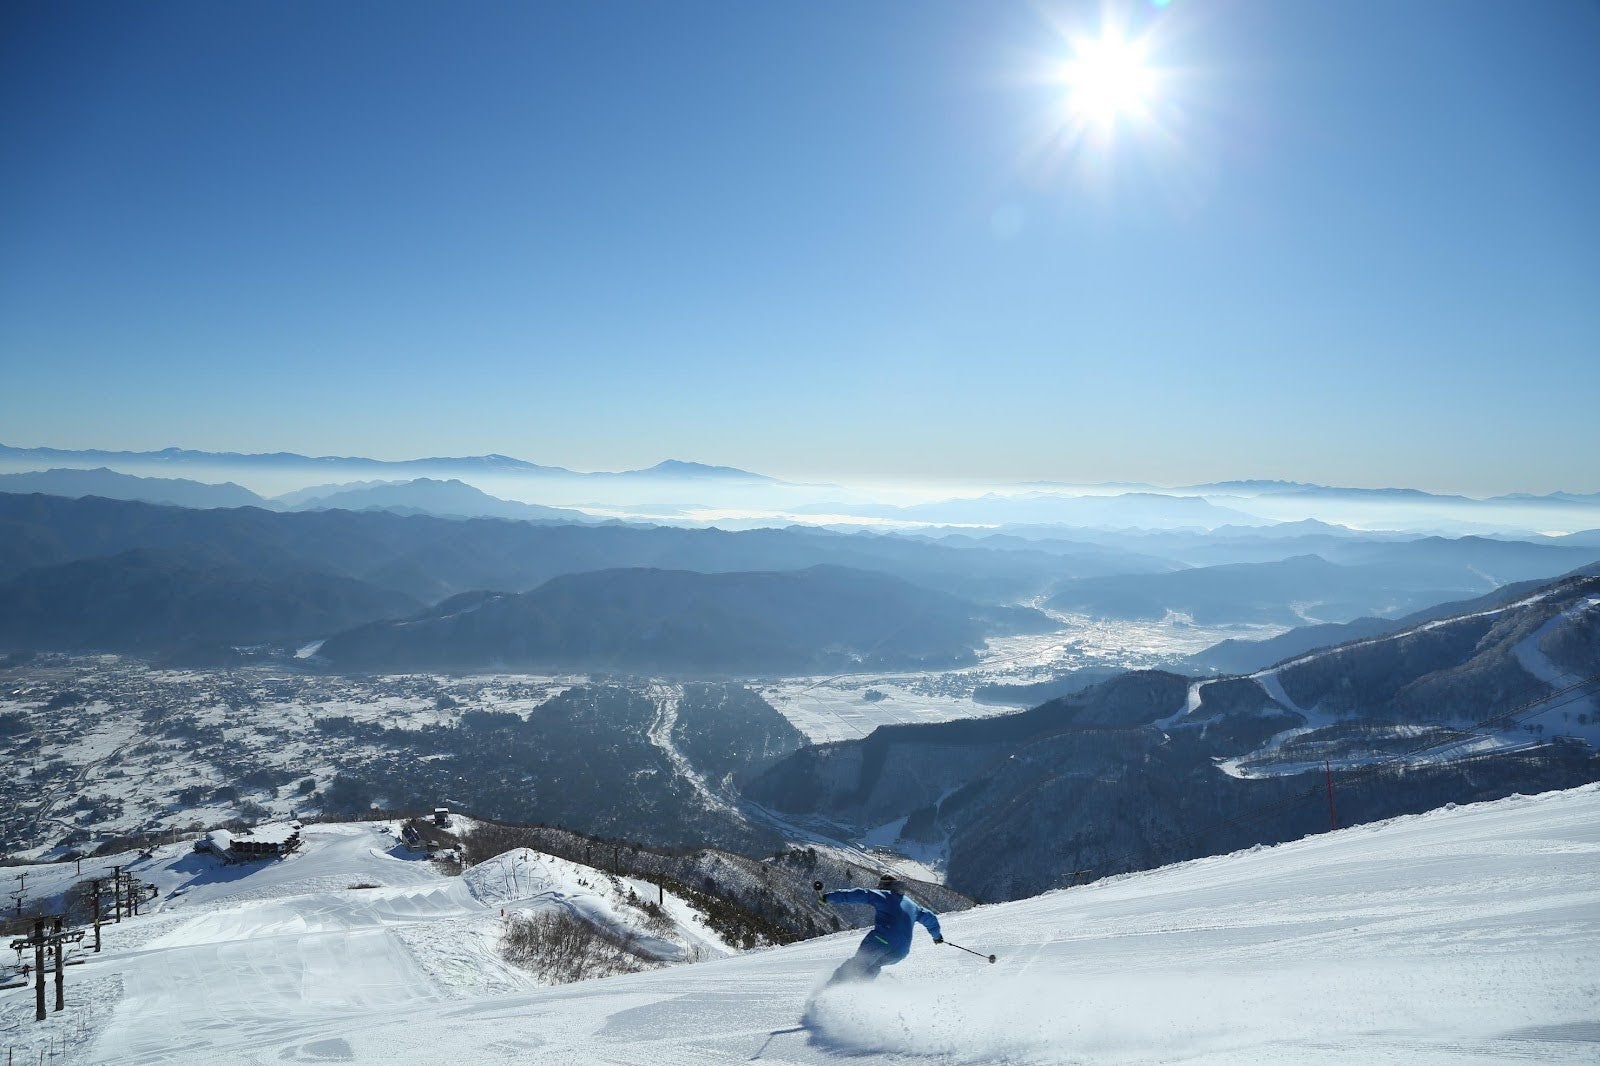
[1352,242]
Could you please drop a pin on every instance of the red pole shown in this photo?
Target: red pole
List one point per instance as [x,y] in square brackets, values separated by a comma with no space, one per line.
[1333,821]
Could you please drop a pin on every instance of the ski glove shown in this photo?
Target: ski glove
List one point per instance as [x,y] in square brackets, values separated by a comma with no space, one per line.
[938,940]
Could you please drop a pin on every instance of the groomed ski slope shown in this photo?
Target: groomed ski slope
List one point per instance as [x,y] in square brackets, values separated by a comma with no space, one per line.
[1463,935]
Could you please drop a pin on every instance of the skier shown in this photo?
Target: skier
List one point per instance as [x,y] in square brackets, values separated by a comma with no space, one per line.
[890,939]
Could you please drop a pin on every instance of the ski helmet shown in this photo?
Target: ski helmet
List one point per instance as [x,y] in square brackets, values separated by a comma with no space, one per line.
[887,881]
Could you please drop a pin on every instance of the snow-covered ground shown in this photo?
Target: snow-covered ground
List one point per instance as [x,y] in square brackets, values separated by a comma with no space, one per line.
[1463,935]
[853,705]
[354,922]
[1084,640]
[844,708]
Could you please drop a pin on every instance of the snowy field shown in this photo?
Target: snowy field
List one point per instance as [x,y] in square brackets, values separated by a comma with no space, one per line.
[1086,641]
[850,707]
[1463,935]
[853,705]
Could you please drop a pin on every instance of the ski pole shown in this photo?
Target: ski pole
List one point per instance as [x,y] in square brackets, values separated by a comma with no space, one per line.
[969,951]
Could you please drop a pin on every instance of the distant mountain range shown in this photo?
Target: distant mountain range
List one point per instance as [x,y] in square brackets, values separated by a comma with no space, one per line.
[1261,544]
[180,492]
[74,573]
[474,464]
[1240,656]
[427,559]
[1372,579]
[680,470]
[744,499]
[1418,510]
[1247,656]
[677,623]
[1247,488]
[1383,508]
[447,499]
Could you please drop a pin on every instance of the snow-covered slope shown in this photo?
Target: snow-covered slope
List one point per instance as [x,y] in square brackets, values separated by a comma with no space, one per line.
[1462,935]
[353,923]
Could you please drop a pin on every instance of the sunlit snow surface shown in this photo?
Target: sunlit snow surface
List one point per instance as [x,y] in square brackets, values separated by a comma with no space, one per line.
[1464,935]
[353,922]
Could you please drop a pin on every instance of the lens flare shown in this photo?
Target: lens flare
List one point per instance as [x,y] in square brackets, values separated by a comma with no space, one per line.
[1109,101]
[1108,79]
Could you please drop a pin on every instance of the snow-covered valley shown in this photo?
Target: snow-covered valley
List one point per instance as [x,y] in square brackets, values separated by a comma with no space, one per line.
[1464,935]
[125,747]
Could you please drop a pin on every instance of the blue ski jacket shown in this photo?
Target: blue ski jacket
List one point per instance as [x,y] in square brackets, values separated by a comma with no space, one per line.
[895,919]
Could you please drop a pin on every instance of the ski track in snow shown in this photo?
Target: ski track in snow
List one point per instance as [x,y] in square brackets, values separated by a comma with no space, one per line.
[666,697]
[1273,684]
[1191,703]
[1545,593]
[1271,681]
[1528,655]
[1537,663]
[1464,935]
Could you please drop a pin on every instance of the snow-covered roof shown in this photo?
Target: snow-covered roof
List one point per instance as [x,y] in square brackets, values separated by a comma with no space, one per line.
[219,839]
[275,833]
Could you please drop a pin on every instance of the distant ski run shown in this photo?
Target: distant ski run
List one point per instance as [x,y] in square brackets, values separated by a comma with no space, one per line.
[667,698]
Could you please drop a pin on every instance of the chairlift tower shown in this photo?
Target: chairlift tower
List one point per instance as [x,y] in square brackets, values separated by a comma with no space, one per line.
[54,941]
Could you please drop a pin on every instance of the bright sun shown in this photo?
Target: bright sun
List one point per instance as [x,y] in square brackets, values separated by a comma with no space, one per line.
[1107,80]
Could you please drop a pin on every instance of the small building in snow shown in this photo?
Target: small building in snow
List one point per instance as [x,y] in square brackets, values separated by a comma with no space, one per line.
[266,841]
[217,842]
[262,842]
